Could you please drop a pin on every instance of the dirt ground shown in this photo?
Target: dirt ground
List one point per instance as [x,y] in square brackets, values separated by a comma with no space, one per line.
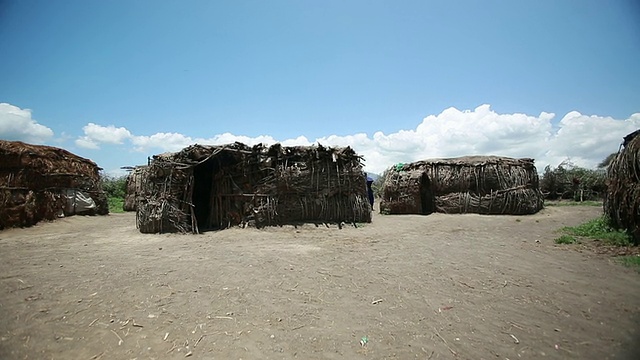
[403,287]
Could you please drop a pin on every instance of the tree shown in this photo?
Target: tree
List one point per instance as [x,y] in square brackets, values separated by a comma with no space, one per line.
[568,181]
[114,186]
[607,161]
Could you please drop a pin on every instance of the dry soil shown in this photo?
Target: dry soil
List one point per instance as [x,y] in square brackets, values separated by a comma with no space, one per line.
[403,287]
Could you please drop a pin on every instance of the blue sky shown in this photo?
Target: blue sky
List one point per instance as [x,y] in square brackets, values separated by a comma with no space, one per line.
[117,81]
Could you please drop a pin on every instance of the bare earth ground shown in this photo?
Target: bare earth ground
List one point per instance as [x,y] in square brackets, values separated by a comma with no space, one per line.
[426,287]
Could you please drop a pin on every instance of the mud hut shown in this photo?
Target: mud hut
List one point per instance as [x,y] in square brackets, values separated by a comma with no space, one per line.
[216,187]
[472,184]
[622,200]
[43,183]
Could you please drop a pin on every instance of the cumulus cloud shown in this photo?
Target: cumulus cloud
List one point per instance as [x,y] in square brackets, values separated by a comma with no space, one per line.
[583,139]
[164,141]
[94,135]
[17,124]
[87,143]
[586,140]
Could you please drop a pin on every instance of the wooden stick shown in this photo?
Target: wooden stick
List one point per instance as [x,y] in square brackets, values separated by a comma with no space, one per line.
[447,344]
[120,342]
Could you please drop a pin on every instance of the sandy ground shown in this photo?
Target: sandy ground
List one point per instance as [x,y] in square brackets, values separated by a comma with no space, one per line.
[425,287]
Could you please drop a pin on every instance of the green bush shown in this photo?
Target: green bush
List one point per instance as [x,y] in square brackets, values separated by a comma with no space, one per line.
[630,261]
[568,181]
[601,229]
[116,205]
[566,239]
[115,188]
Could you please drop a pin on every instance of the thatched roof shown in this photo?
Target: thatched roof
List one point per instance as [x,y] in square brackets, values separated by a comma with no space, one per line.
[472,161]
[479,184]
[622,201]
[206,186]
[35,179]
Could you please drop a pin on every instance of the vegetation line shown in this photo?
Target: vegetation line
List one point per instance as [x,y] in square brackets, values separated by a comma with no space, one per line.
[115,188]
[598,229]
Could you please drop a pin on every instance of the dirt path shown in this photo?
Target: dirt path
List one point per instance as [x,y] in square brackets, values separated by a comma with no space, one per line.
[425,287]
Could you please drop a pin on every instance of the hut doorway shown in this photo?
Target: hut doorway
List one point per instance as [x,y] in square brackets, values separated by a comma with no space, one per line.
[215,194]
[427,200]
[202,189]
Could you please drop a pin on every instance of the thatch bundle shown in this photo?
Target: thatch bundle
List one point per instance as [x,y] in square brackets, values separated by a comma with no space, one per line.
[622,201]
[472,184]
[133,187]
[215,187]
[44,182]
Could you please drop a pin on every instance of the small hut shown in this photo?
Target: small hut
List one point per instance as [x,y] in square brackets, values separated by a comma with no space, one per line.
[622,200]
[472,184]
[216,187]
[43,183]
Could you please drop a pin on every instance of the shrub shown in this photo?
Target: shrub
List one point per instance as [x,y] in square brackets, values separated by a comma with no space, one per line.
[116,205]
[601,229]
[115,188]
[568,181]
[630,261]
[565,239]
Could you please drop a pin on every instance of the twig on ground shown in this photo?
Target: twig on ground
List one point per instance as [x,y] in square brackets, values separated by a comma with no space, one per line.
[446,343]
[197,342]
[328,274]
[515,339]
[354,283]
[93,322]
[120,341]
[426,352]
[376,301]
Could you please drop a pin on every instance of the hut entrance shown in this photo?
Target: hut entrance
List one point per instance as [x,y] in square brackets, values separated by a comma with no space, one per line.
[202,189]
[427,200]
[216,196]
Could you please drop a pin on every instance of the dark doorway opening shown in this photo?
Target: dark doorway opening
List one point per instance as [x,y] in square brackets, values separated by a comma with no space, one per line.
[215,204]
[427,200]
[202,188]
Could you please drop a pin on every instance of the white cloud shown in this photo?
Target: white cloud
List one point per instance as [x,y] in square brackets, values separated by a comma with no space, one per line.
[17,124]
[87,143]
[228,138]
[163,141]
[585,140]
[97,134]
[300,140]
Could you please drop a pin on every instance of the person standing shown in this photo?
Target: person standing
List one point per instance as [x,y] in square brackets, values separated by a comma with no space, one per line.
[369,189]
